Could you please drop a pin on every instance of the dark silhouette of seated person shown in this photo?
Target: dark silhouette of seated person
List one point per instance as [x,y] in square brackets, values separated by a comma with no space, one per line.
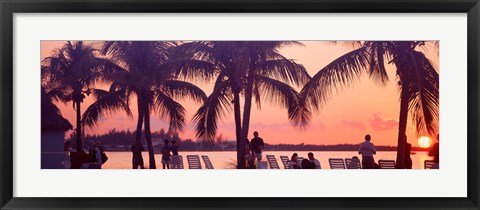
[307,164]
[354,163]
[294,162]
[316,163]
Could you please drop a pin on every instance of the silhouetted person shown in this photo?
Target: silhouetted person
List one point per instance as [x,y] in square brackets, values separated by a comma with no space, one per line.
[67,147]
[367,150]
[314,161]
[175,146]
[294,162]
[307,164]
[250,160]
[166,155]
[96,152]
[354,163]
[137,159]
[256,145]
[66,163]
[435,152]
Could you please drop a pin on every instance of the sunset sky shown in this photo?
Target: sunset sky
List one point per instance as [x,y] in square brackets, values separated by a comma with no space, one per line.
[365,108]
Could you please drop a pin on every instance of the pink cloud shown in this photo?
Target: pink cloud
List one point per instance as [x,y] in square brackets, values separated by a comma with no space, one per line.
[380,124]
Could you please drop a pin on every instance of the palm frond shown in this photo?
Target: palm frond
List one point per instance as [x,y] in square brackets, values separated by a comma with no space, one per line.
[424,95]
[215,107]
[284,70]
[169,110]
[257,96]
[349,44]
[377,70]
[337,75]
[107,103]
[198,50]
[177,90]
[47,105]
[283,95]
[188,69]
[58,94]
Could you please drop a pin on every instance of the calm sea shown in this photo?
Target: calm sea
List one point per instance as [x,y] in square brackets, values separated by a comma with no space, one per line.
[224,159]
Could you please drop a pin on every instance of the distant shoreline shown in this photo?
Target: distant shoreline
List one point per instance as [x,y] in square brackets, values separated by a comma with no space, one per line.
[122,141]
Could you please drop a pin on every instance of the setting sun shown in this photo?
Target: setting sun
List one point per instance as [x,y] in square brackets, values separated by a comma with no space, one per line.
[424,142]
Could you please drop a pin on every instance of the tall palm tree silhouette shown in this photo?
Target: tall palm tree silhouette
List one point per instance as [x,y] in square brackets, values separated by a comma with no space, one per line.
[156,80]
[418,83]
[271,75]
[248,68]
[76,67]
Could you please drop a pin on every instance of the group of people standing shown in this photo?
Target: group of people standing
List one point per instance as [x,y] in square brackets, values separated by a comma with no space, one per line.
[168,150]
[95,158]
[166,155]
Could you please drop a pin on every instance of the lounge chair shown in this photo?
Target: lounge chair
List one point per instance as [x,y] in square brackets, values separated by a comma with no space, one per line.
[353,165]
[194,162]
[386,164]
[206,160]
[429,164]
[285,161]
[272,161]
[176,162]
[336,163]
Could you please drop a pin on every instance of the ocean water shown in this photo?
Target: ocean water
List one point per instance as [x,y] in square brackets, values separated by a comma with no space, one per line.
[224,159]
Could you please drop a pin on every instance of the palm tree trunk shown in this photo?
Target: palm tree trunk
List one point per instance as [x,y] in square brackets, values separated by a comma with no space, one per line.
[138,134]
[148,138]
[79,127]
[248,104]
[402,127]
[238,130]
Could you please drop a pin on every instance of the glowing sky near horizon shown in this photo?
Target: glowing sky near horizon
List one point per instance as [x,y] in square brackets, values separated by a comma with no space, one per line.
[364,108]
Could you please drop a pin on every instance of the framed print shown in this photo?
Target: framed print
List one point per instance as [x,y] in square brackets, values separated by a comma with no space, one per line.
[233,94]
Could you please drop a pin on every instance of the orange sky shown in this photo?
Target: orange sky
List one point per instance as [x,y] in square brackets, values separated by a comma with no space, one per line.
[365,108]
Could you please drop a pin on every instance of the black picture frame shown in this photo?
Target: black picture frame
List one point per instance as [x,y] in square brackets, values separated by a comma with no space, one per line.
[10,7]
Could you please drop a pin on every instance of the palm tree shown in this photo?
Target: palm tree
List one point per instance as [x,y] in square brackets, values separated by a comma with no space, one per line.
[417,78]
[252,69]
[75,68]
[155,79]
[268,71]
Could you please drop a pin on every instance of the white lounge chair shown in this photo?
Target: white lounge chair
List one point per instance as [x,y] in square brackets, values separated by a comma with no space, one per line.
[353,164]
[194,162]
[336,163]
[429,164]
[176,162]
[206,160]
[285,161]
[386,164]
[272,161]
